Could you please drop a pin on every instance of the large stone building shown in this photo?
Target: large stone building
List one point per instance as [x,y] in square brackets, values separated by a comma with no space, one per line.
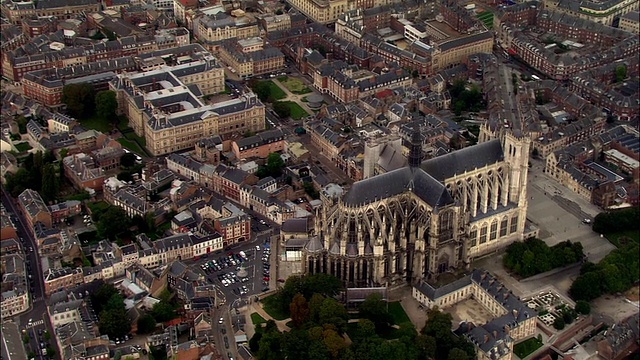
[426,218]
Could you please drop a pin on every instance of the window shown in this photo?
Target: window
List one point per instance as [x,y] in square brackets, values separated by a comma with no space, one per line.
[503,227]
[514,224]
[483,234]
[473,236]
[494,230]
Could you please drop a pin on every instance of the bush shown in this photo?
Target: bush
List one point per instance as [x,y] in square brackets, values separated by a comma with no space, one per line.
[533,256]
[559,324]
[583,307]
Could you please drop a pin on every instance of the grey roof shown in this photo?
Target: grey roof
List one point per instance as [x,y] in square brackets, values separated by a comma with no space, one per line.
[397,182]
[314,245]
[295,225]
[467,159]
[433,293]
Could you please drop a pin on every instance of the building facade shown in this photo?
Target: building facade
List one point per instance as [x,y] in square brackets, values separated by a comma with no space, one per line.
[424,219]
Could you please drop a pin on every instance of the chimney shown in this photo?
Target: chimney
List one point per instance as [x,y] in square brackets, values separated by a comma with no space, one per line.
[486,339]
[495,334]
[515,313]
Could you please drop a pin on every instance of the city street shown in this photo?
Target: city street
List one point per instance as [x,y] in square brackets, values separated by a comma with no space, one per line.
[35,320]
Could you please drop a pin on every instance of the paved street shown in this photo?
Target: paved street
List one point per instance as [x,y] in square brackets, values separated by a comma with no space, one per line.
[38,312]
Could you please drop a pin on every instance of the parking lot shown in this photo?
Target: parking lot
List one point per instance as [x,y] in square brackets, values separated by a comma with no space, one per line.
[241,271]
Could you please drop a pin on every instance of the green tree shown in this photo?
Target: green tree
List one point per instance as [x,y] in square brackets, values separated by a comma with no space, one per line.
[163,311]
[375,309]
[333,313]
[299,310]
[50,183]
[334,342]
[114,323]
[559,323]
[586,287]
[128,160]
[115,302]
[113,222]
[282,109]
[18,182]
[621,73]
[22,124]
[295,344]
[314,307]
[106,105]
[146,324]
[426,346]
[101,296]
[79,99]
[47,336]
[274,164]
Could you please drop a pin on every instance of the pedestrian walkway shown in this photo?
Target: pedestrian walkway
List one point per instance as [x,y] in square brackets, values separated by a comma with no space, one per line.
[36,323]
[254,307]
[294,97]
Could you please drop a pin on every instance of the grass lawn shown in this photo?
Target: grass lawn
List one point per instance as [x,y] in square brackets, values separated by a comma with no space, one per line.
[97,123]
[623,238]
[296,86]
[527,347]
[23,147]
[398,314]
[297,112]
[256,319]
[275,91]
[131,145]
[123,124]
[486,18]
[272,308]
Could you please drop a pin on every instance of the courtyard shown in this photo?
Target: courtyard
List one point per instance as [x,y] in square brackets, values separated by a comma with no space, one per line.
[294,85]
[469,310]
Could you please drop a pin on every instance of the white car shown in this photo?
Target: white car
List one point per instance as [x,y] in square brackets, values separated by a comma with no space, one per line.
[257,247]
[221,321]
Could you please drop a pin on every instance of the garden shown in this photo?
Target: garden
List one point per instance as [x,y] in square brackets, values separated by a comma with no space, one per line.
[527,347]
[295,86]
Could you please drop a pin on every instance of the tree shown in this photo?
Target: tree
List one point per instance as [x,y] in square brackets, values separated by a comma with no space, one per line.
[22,124]
[334,342]
[274,164]
[128,160]
[299,310]
[621,73]
[114,323]
[47,335]
[314,307]
[163,311]
[333,313]
[282,109]
[295,344]
[559,323]
[101,296]
[79,99]
[50,183]
[106,105]
[146,324]
[375,309]
[113,222]
[426,347]
[457,354]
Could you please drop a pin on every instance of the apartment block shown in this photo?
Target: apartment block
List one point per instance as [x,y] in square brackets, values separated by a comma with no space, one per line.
[249,57]
[260,145]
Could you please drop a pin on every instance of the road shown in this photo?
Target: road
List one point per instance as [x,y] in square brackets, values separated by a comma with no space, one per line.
[38,312]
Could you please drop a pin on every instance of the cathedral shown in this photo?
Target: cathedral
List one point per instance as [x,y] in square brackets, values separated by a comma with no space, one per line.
[425,218]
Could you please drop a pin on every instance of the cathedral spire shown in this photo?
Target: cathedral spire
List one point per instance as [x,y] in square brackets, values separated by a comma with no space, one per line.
[415,151]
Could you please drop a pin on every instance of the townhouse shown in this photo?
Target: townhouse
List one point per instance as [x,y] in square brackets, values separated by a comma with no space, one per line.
[147,280]
[275,22]
[184,166]
[175,247]
[204,245]
[14,297]
[34,209]
[57,279]
[259,146]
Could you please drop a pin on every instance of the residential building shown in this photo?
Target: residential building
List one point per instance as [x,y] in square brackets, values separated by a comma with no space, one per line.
[260,145]
[175,247]
[211,29]
[82,171]
[34,209]
[14,298]
[321,11]
[57,279]
[16,11]
[275,22]
[249,57]
[207,244]
[630,22]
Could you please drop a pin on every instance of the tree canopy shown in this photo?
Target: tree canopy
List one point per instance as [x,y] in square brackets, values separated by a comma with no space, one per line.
[79,99]
[106,105]
[617,221]
[533,256]
[113,222]
[113,319]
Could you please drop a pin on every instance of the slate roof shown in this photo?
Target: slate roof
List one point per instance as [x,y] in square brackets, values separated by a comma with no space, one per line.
[397,182]
[433,293]
[467,159]
[295,225]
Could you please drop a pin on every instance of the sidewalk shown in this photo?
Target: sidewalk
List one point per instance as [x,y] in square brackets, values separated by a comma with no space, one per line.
[249,328]
[293,97]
